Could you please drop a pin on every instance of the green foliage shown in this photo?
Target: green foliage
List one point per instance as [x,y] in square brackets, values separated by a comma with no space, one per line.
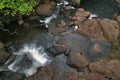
[13,7]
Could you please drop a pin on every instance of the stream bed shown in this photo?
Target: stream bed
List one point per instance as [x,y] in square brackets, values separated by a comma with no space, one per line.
[69,44]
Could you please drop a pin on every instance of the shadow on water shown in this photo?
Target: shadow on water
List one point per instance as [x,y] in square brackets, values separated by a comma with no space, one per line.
[9,31]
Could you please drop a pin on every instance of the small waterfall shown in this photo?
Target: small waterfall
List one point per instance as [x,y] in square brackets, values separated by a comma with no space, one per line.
[30,54]
[27,59]
[56,11]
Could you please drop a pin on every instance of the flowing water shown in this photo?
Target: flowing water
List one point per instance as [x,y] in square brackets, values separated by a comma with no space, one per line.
[28,52]
[77,42]
[28,49]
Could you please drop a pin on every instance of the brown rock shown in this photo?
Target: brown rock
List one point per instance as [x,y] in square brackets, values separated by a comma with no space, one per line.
[11,76]
[118,19]
[110,29]
[77,60]
[91,76]
[81,15]
[71,76]
[57,27]
[57,50]
[109,69]
[45,9]
[60,42]
[91,29]
[115,54]
[75,2]
[58,30]
[68,7]
[83,12]
[3,55]
[45,73]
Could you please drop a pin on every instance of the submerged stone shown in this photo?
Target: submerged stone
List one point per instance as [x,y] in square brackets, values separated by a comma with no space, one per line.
[93,50]
[77,60]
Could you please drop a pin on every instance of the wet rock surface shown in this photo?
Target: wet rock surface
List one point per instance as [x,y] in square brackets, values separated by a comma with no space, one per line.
[75,2]
[45,73]
[77,60]
[108,69]
[3,54]
[110,29]
[45,9]
[81,48]
[91,29]
[11,76]
[58,70]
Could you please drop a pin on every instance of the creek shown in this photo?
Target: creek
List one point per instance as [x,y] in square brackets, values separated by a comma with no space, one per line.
[28,47]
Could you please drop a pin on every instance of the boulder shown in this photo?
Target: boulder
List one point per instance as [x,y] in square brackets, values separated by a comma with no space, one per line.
[77,60]
[75,2]
[71,76]
[91,76]
[79,16]
[91,29]
[106,68]
[44,73]
[110,29]
[45,9]
[11,76]
[100,29]
[57,50]
[3,53]
[117,18]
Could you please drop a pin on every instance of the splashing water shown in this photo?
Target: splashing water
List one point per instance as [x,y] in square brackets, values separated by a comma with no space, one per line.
[27,60]
[47,20]
[92,16]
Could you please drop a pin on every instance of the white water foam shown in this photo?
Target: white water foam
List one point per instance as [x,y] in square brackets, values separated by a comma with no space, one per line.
[93,16]
[47,20]
[36,55]
[65,3]
[75,27]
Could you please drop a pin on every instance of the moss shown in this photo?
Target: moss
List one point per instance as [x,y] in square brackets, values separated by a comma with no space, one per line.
[13,7]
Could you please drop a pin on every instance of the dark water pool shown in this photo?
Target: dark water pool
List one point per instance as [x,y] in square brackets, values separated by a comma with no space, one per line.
[103,8]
